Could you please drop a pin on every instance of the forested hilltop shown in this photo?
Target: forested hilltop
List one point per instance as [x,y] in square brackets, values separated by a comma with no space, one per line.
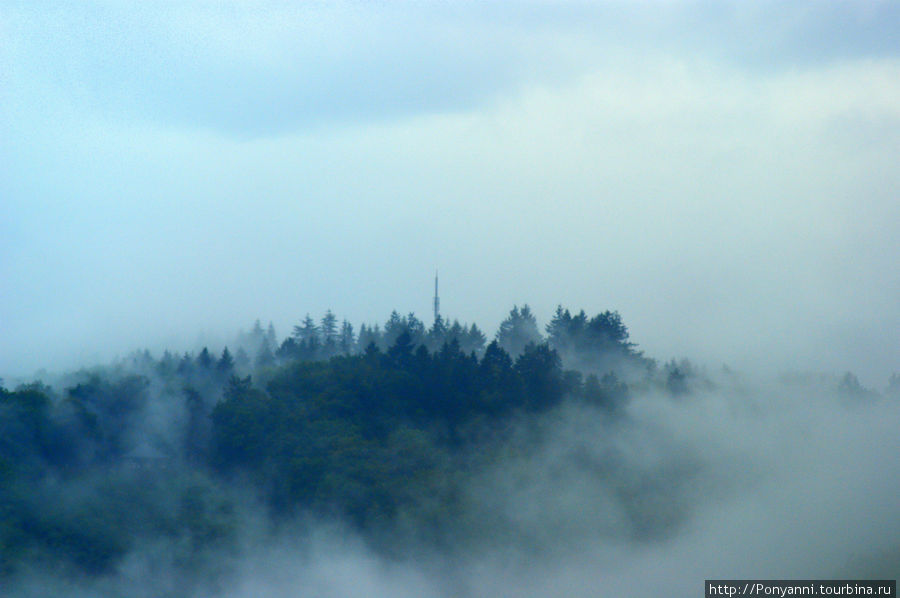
[376,428]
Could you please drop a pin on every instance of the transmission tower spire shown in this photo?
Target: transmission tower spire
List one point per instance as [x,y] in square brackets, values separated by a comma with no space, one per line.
[437,301]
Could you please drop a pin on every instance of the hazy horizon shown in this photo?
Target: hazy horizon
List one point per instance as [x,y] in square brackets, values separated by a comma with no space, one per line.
[722,174]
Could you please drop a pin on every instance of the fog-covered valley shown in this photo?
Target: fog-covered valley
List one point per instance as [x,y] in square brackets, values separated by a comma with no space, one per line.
[410,467]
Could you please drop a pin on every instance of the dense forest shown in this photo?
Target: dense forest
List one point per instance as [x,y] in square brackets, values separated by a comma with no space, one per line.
[377,428]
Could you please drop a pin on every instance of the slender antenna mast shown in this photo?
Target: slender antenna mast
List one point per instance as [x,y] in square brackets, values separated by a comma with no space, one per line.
[437,301]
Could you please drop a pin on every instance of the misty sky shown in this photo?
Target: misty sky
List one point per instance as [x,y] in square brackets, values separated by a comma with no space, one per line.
[722,174]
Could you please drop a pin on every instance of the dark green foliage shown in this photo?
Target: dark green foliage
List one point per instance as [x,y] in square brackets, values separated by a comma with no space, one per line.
[185,366]
[225,365]
[108,409]
[240,422]
[368,336]
[26,435]
[361,427]
[289,349]
[197,429]
[437,333]
[469,338]
[316,437]
[307,332]
[598,344]
[329,334]
[473,340]
[204,360]
[398,325]
[264,357]
[502,386]
[89,528]
[76,490]
[346,340]
[540,370]
[518,330]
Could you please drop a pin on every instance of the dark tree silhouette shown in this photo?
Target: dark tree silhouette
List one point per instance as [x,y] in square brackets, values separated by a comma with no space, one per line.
[518,330]
[329,334]
[225,365]
[346,340]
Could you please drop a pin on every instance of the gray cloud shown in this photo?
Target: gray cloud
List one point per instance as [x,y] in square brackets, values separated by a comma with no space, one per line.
[273,68]
[168,171]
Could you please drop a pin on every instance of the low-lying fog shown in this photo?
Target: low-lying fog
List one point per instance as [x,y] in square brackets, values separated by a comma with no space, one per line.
[782,480]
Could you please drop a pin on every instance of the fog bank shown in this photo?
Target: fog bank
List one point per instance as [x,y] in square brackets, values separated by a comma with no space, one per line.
[741,482]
